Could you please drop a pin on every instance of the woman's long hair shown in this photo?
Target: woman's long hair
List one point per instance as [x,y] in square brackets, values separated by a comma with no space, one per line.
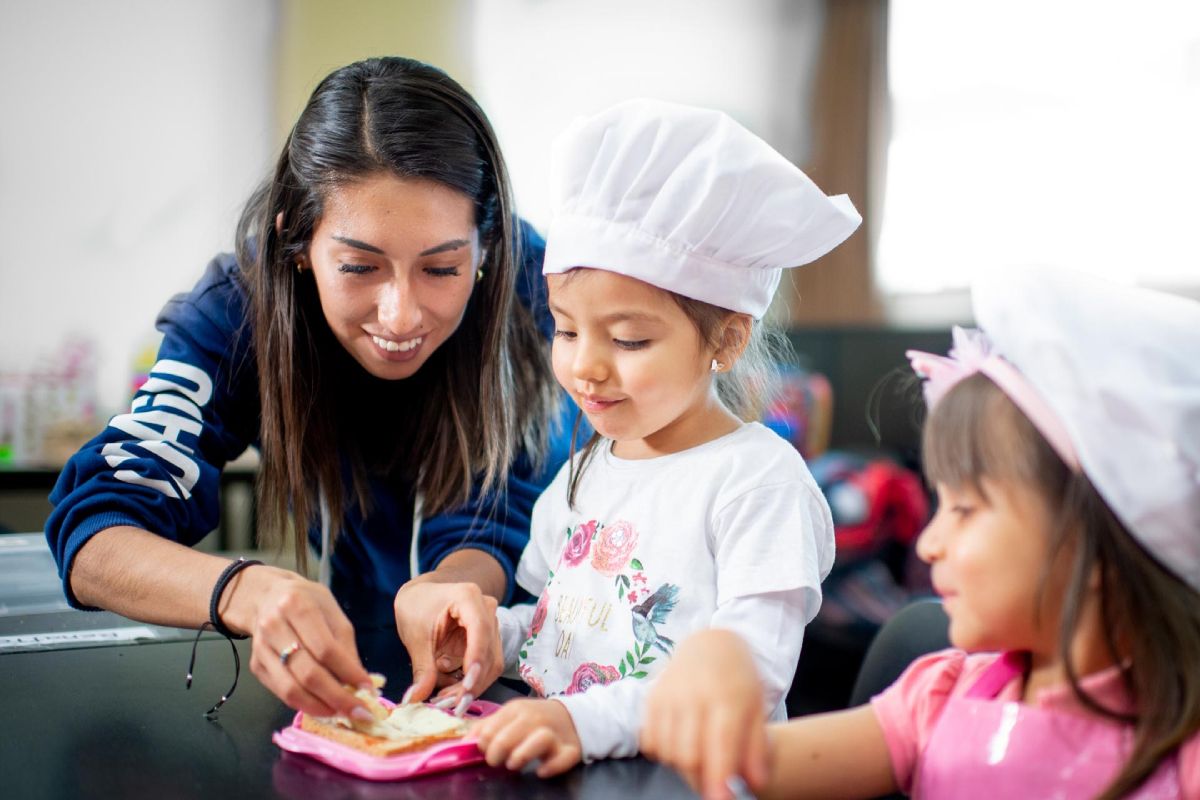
[1149,616]
[482,398]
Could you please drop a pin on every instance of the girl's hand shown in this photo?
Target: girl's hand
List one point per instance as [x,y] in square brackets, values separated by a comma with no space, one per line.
[452,637]
[525,730]
[704,716]
[286,613]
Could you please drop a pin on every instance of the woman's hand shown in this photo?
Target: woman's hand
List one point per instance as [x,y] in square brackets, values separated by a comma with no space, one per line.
[452,637]
[704,716]
[287,614]
[525,730]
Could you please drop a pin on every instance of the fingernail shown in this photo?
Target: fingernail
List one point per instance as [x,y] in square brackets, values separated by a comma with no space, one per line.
[444,703]
[461,708]
[471,676]
[361,714]
[408,693]
[738,787]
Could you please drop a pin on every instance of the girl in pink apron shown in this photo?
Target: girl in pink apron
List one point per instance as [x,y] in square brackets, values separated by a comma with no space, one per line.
[1064,442]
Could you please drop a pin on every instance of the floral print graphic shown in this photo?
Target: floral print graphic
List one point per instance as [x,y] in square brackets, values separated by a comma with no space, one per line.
[546,666]
[591,674]
[579,544]
[535,627]
[631,590]
[532,680]
[539,615]
[614,545]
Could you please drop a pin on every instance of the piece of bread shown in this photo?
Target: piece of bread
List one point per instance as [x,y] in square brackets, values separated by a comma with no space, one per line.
[393,741]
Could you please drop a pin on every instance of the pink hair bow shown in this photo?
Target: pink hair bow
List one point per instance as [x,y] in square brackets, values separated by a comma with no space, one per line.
[972,352]
[939,374]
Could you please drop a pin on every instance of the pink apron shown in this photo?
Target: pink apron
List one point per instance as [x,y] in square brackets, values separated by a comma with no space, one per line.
[983,748]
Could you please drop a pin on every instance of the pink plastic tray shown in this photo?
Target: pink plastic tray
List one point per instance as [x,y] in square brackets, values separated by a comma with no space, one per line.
[451,754]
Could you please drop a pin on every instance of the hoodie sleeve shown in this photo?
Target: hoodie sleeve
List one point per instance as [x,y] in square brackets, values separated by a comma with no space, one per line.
[496,524]
[157,467]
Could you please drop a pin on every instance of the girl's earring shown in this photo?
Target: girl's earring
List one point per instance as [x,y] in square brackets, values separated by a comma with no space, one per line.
[479,275]
[716,366]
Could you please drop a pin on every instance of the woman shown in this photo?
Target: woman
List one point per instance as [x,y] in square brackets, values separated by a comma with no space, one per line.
[367,341]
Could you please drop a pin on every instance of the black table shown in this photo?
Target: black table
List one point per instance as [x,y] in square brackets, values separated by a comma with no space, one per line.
[116,721]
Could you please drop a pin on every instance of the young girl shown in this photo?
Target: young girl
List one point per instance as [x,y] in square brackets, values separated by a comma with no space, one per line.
[672,229]
[1065,448]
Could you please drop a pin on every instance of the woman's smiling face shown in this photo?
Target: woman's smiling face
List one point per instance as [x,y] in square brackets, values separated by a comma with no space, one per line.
[394,261]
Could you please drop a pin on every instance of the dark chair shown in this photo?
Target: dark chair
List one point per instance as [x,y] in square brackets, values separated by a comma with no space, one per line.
[918,628]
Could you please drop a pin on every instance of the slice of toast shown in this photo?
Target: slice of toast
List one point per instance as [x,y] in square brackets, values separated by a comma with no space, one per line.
[393,740]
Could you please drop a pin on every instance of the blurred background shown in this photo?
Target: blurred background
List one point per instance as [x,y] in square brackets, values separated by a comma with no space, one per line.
[970,135]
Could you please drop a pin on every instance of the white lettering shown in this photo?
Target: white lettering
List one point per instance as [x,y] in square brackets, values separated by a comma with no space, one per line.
[172,425]
[185,479]
[115,454]
[163,371]
[168,405]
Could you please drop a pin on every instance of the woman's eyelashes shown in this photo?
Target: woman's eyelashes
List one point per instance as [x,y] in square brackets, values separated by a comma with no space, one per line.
[362,269]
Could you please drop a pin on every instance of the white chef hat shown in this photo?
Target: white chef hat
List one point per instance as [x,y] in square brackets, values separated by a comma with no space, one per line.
[686,199]
[1111,375]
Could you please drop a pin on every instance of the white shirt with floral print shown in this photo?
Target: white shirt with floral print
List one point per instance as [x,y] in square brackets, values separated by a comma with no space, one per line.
[733,533]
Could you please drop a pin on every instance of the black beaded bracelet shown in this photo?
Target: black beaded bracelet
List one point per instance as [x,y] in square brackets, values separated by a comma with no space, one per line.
[218,589]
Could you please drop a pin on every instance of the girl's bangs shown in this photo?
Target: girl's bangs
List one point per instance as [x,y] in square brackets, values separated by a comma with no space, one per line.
[977,432]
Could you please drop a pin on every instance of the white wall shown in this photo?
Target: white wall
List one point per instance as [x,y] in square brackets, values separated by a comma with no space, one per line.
[133,130]
[538,64]
[131,133]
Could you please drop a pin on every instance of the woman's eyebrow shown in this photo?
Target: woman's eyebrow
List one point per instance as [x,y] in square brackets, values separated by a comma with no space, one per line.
[355,243]
[453,244]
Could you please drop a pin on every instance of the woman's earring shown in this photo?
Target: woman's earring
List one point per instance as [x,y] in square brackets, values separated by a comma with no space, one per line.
[479,275]
[716,366]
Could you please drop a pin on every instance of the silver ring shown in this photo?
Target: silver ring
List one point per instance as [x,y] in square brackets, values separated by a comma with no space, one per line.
[288,652]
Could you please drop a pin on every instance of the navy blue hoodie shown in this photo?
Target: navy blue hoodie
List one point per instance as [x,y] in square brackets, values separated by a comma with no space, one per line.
[158,467]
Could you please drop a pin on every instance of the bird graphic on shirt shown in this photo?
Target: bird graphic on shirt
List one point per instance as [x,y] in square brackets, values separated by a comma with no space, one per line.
[653,611]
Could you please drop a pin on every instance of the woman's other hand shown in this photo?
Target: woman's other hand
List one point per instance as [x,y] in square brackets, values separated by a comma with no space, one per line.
[527,730]
[452,637]
[704,716]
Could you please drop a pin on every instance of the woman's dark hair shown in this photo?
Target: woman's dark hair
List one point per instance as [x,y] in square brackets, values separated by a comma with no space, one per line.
[1150,617]
[483,397]
[746,389]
